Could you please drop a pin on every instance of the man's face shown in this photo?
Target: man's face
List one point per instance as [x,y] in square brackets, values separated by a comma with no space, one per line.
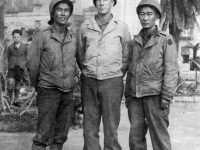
[147,17]
[16,38]
[104,6]
[61,14]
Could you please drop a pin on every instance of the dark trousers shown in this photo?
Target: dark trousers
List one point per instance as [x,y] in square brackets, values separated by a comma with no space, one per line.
[16,73]
[55,109]
[101,98]
[146,113]
[14,79]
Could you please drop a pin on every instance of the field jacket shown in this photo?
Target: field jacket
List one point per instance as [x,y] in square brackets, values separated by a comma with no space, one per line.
[104,55]
[17,56]
[152,69]
[52,62]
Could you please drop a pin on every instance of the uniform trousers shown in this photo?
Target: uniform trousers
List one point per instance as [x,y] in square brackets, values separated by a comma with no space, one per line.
[146,113]
[101,99]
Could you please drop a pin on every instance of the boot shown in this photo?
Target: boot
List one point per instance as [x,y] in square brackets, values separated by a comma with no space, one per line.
[37,147]
[10,96]
[56,146]
[15,103]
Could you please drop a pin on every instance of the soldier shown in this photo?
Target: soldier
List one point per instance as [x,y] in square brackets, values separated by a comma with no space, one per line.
[16,55]
[151,79]
[52,69]
[104,53]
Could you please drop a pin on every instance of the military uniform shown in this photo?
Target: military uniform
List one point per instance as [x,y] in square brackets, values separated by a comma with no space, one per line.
[52,68]
[104,50]
[151,79]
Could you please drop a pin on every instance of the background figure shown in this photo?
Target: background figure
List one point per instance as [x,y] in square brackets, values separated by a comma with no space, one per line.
[16,54]
[103,58]
[151,79]
[52,70]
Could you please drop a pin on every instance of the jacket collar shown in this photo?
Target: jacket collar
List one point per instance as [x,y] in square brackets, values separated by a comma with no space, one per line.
[68,37]
[107,21]
[111,26]
[152,41]
[19,50]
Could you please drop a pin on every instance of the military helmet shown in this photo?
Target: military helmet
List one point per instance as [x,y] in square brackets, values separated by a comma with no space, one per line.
[53,3]
[115,2]
[153,3]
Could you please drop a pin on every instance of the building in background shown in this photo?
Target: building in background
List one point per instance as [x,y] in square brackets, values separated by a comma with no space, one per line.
[30,14]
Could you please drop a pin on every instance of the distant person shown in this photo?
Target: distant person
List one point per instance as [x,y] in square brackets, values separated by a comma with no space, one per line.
[151,79]
[16,55]
[104,47]
[52,69]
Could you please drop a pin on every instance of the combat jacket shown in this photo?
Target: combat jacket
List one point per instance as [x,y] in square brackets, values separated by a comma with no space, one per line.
[104,54]
[153,68]
[52,62]
[17,56]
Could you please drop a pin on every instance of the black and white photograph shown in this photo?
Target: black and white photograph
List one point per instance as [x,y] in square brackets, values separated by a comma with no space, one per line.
[99,74]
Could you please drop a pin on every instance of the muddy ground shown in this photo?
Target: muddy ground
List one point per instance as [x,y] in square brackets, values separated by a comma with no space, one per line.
[184,129]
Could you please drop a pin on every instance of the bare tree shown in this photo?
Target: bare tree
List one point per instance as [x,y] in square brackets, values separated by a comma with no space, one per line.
[2,12]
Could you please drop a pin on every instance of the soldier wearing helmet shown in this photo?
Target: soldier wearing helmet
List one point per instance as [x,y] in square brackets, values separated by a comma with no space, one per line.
[115,2]
[104,47]
[151,79]
[153,4]
[52,70]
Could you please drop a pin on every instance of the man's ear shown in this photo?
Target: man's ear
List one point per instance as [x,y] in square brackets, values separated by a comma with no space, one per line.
[157,17]
[112,2]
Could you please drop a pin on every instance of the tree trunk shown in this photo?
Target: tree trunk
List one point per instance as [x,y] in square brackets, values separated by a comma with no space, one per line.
[164,22]
[168,18]
[193,66]
[175,32]
[2,20]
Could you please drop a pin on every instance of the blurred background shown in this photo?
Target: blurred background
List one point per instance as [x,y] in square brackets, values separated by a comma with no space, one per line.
[31,14]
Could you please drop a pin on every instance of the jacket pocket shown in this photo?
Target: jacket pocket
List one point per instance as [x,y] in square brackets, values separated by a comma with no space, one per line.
[49,59]
[55,64]
[152,68]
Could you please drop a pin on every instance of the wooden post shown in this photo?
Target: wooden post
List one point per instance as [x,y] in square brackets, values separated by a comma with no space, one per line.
[196,78]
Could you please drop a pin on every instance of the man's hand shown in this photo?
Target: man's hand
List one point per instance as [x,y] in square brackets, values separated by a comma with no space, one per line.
[165,104]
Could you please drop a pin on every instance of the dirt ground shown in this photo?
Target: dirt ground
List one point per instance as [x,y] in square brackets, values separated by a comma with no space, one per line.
[184,129]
